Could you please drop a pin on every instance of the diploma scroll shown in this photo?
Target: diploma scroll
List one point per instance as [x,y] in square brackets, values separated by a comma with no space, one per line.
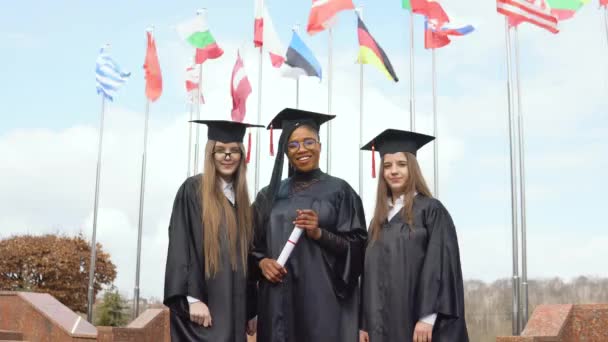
[288,248]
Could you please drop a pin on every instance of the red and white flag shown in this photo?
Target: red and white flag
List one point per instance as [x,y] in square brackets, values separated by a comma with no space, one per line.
[240,88]
[192,84]
[535,12]
[323,11]
[264,34]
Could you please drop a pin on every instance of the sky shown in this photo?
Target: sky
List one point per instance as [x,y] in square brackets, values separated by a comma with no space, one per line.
[50,120]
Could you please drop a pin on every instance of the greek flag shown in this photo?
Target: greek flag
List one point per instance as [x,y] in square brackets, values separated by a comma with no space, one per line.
[109,75]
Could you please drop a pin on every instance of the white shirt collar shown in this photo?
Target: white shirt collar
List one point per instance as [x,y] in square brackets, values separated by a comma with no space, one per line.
[228,190]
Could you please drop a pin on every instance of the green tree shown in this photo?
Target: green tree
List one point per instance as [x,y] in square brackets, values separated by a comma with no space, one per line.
[113,310]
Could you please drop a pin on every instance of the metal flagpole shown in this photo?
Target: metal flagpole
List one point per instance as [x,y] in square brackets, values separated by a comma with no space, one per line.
[412,101]
[90,296]
[515,309]
[190,138]
[329,91]
[435,129]
[257,131]
[606,21]
[360,10]
[295,29]
[522,189]
[141,211]
[198,107]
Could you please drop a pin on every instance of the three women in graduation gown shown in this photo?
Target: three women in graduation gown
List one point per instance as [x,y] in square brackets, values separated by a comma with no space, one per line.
[314,296]
[210,232]
[412,287]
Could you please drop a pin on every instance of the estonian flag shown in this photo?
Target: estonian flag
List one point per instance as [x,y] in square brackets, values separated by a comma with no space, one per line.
[300,60]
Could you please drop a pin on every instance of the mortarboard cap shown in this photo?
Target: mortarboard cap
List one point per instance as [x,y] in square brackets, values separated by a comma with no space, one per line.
[226,131]
[394,140]
[290,118]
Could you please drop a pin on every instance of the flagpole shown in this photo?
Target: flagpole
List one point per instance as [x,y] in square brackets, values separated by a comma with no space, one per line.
[522,189]
[190,139]
[329,98]
[606,21]
[412,101]
[295,29]
[141,206]
[435,129]
[361,89]
[198,107]
[515,281]
[90,296]
[257,131]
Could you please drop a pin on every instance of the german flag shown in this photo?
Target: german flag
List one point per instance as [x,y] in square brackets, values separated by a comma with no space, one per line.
[371,53]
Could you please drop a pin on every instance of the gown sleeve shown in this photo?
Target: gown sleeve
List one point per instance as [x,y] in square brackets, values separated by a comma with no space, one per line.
[182,278]
[344,248]
[261,211]
[440,289]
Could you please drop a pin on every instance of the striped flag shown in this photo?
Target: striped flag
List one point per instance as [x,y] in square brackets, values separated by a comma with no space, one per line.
[196,33]
[109,76]
[371,53]
[535,12]
[323,12]
[565,9]
[240,89]
[436,36]
[265,35]
[300,60]
[192,84]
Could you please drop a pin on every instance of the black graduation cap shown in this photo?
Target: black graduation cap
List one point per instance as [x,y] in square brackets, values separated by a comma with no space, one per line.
[225,131]
[394,140]
[292,118]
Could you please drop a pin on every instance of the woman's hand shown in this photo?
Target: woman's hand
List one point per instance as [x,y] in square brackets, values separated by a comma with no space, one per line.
[423,332]
[363,336]
[199,314]
[309,221]
[272,270]
[252,325]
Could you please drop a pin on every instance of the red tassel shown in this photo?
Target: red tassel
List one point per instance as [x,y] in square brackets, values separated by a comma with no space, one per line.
[248,148]
[271,143]
[373,161]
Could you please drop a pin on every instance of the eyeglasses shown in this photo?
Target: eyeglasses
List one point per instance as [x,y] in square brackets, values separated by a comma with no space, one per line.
[308,143]
[227,155]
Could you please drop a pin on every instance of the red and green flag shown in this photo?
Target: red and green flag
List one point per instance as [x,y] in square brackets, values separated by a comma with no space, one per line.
[565,9]
[196,33]
[371,53]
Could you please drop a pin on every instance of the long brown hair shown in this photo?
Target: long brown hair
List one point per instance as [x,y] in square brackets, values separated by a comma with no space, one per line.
[217,211]
[415,183]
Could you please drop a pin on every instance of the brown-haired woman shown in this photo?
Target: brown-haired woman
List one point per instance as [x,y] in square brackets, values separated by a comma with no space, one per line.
[210,232]
[412,280]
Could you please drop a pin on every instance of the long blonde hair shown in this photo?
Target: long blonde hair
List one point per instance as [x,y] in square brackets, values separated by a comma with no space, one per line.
[415,183]
[218,212]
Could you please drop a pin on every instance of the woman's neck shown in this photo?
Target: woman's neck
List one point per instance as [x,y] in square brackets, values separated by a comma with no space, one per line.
[307,175]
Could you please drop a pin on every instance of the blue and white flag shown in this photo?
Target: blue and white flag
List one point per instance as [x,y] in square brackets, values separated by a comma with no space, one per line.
[109,76]
[300,60]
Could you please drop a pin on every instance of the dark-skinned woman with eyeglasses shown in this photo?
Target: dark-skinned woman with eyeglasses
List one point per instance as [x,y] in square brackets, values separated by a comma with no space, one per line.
[313,296]
[207,288]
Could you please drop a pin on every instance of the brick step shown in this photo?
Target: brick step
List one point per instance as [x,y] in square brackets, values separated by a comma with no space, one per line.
[9,335]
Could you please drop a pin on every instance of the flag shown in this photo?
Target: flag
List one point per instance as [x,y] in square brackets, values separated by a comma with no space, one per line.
[240,88]
[438,36]
[429,8]
[154,79]
[196,33]
[108,75]
[535,12]
[300,60]
[192,84]
[433,37]
[565,9]
[323,11]
[265,35]
[604,3]
[371,53]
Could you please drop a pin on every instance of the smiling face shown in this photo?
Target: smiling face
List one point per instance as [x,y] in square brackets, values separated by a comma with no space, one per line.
[226,157]
[395,172]
[304,149]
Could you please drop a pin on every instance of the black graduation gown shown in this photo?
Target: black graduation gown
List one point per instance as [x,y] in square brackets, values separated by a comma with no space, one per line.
[225,294]
[318,298]
[409,275]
